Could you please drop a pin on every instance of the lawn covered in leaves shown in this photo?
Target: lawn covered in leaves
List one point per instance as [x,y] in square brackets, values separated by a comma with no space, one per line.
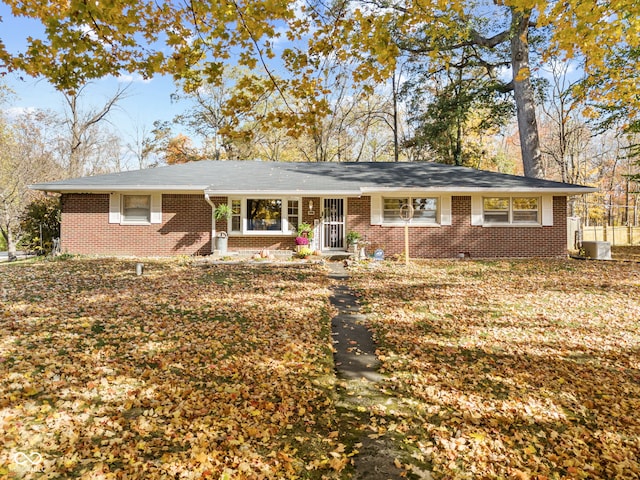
[511,369]
[184,372]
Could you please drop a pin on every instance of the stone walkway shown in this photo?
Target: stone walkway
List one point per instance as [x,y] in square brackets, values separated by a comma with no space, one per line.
[357,369]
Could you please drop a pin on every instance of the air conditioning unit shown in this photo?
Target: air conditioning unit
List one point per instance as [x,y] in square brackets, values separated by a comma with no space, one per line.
[597,250]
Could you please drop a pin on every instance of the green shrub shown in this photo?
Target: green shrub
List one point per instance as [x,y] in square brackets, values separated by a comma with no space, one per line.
[40,224]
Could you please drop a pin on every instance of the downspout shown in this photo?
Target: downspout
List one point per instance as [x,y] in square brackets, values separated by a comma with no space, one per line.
[213,222]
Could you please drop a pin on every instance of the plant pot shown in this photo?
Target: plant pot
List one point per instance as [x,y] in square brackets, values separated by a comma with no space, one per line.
[222,242]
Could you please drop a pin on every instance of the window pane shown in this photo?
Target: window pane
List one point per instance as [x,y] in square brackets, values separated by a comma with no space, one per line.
[525,217]
[496,210]
[236,219]
[136,208]
[425,209]
[524,203]
[525,210]
[264,214]
[496,217]
[391,209]
[496,203]
[292,215]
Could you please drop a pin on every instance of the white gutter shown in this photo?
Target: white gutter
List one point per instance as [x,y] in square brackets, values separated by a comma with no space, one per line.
[468,190]
[66,188]
[213,222]
[288,193]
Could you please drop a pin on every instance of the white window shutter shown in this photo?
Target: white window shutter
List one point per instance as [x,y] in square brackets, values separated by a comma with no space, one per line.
[156,208]
[547,211]
[376,210]
[445,210]
[114,208]
[476,210]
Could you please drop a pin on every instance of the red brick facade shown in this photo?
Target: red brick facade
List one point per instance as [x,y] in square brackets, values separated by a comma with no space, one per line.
[461,237]
[186,229]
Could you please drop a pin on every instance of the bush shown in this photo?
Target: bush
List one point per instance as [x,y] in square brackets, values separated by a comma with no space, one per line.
[40,224]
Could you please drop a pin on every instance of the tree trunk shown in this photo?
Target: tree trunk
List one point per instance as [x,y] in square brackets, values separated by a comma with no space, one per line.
[396,143]
[523,93]
[11,243]
[9,236]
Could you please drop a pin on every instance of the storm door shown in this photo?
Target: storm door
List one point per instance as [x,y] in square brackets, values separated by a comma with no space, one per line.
[333,224]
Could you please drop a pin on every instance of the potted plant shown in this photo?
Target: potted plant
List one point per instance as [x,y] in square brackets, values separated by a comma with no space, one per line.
[304,252]
[305,234]
[302,241]
[352,240]
[305,230]
[222,212]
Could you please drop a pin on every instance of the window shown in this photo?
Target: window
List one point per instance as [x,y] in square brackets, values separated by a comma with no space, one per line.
[136,208]
[511,210]
[293,214]
[264,214]
[236,216]
[391,209]
[525,210]
[496,210]
[425,210]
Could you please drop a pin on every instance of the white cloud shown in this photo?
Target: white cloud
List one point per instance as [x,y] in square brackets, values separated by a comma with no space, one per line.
[136,78]
[14,112]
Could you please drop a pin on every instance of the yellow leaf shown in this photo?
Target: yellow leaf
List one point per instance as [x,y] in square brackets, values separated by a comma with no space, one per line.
[338,464]
[202,457]
[31,391]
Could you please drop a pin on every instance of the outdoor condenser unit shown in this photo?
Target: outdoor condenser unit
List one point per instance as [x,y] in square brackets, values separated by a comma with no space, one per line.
[597,250]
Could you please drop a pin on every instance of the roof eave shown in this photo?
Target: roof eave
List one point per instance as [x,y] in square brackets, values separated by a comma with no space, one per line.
[285,192]
[578,190]
[116,188]
[468,190]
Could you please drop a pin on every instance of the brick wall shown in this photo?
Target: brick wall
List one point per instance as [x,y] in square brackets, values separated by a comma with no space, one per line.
[461,237]
[186,229]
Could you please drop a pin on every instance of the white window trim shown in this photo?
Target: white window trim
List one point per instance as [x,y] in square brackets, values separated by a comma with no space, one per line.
[545,211]
[116,204]
[284,232]
[443,210]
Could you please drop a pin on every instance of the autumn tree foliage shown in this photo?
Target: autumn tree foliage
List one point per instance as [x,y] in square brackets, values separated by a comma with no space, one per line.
[180,150]
[26,156]
[194,41]
[452,107]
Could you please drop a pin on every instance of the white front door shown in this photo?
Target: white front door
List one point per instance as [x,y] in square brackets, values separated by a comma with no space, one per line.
[333,223]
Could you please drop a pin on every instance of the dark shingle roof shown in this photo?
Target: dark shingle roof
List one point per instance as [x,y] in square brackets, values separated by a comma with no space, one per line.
[228,177]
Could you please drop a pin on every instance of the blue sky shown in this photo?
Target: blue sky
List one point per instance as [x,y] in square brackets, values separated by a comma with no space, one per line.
[147,101]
